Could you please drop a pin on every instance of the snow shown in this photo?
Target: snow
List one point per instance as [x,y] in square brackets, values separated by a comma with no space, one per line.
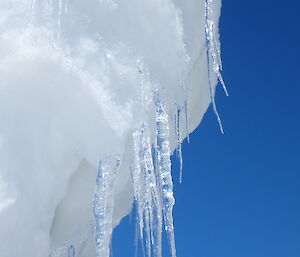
[83,82]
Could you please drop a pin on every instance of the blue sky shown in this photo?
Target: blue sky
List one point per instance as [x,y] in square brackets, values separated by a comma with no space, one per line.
[240,195]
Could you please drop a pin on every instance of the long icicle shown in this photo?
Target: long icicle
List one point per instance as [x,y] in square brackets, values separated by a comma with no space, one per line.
[154,196]
[212,44]
[179,144]
[213,53]
[164,167]
[136,177]
[103,204]
[146,192]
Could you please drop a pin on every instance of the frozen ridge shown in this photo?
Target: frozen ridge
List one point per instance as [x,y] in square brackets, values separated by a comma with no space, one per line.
[95,96]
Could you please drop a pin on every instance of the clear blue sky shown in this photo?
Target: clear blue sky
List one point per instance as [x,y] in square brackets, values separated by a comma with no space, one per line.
[240,195]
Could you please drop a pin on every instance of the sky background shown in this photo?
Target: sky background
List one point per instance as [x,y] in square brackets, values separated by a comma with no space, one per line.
[240,195]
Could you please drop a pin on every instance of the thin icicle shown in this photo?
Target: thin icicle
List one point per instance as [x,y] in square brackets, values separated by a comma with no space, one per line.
[103,204]
[164,167]
[213,98]
[212,43]
[154,198]
[136,177]
[186,112]
[186,120]
[213,54]
[147,193]
[179,145]
[147,220]
[146,190]
[212,95]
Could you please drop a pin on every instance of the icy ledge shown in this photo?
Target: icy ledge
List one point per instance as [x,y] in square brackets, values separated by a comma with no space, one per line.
[94,98]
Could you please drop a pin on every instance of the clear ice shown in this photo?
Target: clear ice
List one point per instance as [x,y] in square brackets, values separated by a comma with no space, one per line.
[102,95]
[103,204]
[152,181]
[213,55]
[164,168]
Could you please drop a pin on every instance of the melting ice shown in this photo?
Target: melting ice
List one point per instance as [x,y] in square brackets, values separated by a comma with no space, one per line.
[95,96]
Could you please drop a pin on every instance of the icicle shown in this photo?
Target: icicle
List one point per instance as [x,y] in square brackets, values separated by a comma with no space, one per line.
[186,111]
[212,44]
[213,53]
[154,199]
[103,204]
[136,177]
[186,120]
[164,168]
[213,98]
[147,192]
[179,146]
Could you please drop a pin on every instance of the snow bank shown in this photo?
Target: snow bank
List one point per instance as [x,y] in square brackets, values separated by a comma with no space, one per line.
[78,79]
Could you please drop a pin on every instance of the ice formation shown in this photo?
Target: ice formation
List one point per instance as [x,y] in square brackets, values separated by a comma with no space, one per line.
[95,96]
[103,204]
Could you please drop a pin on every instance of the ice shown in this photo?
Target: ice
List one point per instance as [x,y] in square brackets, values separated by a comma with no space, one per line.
[179,146]
[213,55]
[122,83]
[103,204]
[147,192]
[152,181]
[212,42]
[164,168]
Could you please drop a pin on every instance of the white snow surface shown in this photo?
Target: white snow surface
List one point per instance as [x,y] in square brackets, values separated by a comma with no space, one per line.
[77,78]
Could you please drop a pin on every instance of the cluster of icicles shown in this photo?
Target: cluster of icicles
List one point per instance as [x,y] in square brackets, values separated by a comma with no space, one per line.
[153,187]
[150,168]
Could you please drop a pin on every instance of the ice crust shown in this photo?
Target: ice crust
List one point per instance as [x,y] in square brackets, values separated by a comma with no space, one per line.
[89,81]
